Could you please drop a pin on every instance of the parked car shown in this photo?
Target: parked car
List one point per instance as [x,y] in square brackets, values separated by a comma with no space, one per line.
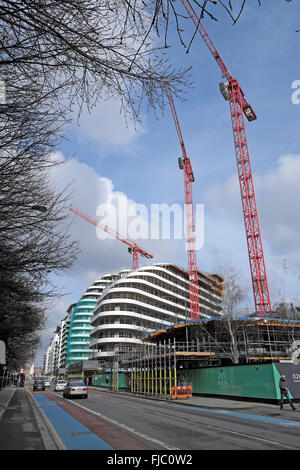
[38,385]
[48,382]
[76,388]
[60,385]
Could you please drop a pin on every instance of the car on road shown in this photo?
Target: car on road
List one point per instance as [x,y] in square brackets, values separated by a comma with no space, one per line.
[48,382]
[60,385]
[76,388]
[38,385]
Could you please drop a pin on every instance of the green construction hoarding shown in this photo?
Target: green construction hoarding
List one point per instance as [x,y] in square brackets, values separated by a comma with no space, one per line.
[259,381]
[106,380]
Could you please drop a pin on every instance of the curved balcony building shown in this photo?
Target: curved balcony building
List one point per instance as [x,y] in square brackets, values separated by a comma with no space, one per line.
[79,332]
[151,297]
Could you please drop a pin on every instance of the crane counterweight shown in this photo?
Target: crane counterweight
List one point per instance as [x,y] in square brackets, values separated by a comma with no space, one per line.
[224,90]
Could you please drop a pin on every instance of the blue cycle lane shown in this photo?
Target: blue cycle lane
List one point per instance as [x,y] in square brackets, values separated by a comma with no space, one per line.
[72,434]
[246,416]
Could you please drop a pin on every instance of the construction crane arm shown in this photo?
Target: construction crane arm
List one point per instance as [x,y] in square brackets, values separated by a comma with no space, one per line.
[103,227]
[133,248]
[185,164]
[246,106]
[206,38]
[176,121]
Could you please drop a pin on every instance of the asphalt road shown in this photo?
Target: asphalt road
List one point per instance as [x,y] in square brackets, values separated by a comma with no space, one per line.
[169,426]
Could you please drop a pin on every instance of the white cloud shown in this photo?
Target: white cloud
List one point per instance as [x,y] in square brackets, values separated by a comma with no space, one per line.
[277,195]
[89,190]
[106,126]
[55,314]
[94,195]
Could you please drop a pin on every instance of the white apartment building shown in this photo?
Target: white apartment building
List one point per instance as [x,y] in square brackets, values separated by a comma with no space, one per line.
[51,359]
[63,337]
[138,302]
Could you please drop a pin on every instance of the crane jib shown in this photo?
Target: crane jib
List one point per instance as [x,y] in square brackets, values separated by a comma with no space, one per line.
[133,248]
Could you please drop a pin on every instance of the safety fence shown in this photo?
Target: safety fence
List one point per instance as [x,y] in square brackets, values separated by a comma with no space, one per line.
[150,369]
[152,381]
[185,391]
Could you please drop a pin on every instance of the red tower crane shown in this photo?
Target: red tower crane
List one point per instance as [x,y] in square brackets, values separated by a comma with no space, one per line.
[239,106]
[185,165]
[133,248]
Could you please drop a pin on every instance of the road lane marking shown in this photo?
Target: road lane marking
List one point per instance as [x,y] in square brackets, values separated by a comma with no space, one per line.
[249,436]
[250,417]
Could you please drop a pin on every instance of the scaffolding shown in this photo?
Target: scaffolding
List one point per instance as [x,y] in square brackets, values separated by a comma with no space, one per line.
[150,369]
[157,367]
[155,370]
[239,341]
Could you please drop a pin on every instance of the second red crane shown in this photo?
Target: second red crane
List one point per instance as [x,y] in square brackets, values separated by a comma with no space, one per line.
[185,165]
[133,248]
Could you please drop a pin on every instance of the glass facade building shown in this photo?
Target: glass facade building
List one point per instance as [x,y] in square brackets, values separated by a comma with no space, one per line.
[79,332]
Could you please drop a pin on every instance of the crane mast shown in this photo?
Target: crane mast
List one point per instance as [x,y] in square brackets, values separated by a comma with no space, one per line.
[239,106]
[133,248]
[185,165]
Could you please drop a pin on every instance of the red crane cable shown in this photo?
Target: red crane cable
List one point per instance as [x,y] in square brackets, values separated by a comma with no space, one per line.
[239,106]
[189,217]
[133,248]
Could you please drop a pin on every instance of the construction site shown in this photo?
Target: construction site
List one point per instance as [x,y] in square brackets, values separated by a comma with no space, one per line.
[186,357]
[171,362]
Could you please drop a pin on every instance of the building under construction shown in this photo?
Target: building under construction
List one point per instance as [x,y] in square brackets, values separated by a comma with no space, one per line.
[223,341]
[167,357]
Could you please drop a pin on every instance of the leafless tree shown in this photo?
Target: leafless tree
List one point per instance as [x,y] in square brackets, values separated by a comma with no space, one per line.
[228,331]
[55,55]
[234,295]
[165,13]
[34,235]
[80,50]
[34,242]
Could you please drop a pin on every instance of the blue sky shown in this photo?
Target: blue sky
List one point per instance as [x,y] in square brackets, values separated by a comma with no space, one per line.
[112,160]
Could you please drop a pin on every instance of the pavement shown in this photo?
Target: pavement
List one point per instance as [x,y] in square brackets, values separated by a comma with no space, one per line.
[24,425]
